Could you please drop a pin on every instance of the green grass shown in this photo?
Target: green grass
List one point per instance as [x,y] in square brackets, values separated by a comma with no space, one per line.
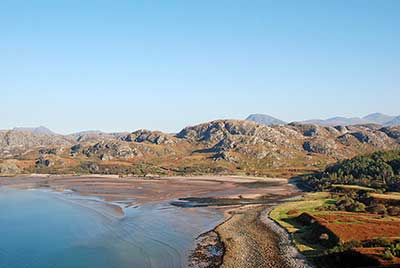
[285,215]
[309,203]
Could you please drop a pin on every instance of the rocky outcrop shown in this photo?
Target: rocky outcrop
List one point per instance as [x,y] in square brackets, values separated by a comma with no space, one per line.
[320,146]
[154,137]
[110,150]
[392,132]
[43,162]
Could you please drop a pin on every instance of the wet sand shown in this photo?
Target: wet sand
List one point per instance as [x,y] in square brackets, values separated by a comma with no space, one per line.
[149,190]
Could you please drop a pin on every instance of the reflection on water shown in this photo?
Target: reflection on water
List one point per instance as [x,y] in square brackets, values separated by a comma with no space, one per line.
[47,229]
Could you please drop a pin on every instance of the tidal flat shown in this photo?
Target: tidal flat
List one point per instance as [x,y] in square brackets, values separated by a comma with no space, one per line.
[106,221]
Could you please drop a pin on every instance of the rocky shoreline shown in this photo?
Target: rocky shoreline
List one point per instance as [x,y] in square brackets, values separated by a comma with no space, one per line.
[247,238]
[209,251]
[293,257]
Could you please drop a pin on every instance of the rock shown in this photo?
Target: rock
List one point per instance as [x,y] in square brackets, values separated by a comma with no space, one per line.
[48,151]
[75,149]
[224,156]
[361,137]
[108,151]
[392,132]
[43,162]
[154,137]
[320,146]
[106,157]
[348,139]
[93,168]
[324,236]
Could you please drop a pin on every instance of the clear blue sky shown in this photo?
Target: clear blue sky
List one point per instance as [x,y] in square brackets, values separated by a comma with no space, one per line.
[122,65]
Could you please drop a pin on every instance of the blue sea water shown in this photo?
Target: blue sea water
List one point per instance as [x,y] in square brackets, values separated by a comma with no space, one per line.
[43,229]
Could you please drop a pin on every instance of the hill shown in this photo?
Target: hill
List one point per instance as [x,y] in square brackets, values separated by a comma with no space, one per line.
[265,119]
[337,121]
[379,118]
[35,130]
[374,118]
[220,146]
[394,122]
[379,170]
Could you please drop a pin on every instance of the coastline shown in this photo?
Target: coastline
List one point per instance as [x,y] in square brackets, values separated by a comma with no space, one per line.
[257,246]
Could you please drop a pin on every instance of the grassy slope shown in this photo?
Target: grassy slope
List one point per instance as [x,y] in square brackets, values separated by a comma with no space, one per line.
[285,213]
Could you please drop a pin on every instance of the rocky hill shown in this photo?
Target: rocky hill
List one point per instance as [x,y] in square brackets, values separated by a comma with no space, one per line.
[221,146]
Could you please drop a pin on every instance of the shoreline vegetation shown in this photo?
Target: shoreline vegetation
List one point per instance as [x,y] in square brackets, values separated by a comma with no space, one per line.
[351,217]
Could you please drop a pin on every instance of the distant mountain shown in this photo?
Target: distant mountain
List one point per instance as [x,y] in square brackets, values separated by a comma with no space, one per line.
[379,118]
[35,130]
[337,121]
[394,122]
[374,118]
[265,119]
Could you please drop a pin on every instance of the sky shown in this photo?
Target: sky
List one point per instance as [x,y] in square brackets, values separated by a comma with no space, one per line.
[123,65]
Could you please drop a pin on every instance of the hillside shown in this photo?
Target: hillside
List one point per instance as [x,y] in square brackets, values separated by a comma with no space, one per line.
[221,146]
[379,170]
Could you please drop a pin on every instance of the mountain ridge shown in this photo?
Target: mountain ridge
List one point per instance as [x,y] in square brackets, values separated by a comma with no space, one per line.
[220,146]
[373,118]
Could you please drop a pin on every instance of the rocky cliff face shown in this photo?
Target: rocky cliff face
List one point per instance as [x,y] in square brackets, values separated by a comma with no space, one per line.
[229,145]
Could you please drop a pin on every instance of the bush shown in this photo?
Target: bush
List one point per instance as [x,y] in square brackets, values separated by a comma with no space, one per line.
[378,209]
[393,211]
[378,242]
[387,255]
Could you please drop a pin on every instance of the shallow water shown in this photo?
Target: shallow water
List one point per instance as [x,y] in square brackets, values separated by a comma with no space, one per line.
[47,229]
